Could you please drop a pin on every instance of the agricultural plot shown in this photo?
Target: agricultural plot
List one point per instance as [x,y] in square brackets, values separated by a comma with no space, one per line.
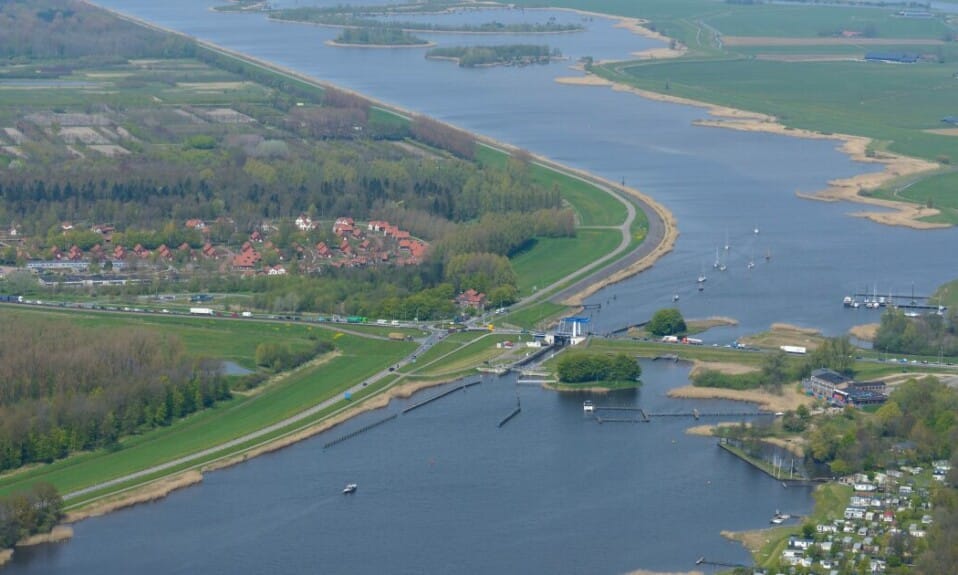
[159,101]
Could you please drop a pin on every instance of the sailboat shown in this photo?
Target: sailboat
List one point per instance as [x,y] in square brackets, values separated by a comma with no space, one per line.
[768,255]
[751,263]
[701,279]
[726,239]
[717,263]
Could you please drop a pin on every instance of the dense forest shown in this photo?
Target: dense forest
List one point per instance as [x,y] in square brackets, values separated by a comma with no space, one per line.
[65,389]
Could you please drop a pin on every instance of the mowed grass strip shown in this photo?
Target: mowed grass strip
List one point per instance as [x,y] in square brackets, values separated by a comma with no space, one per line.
[552,259]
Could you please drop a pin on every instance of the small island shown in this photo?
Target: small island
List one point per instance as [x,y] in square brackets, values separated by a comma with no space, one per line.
[508,55]
[378,37]
[360,17]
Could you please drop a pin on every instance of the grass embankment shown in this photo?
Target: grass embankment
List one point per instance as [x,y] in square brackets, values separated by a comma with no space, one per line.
[358,359]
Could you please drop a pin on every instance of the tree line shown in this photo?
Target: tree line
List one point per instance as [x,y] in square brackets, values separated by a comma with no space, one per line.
[65,389]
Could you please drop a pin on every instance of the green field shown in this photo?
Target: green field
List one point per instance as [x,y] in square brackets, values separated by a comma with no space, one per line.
[895,104]
[551,259]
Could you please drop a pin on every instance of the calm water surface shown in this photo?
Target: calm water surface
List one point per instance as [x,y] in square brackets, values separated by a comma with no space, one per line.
[442,489]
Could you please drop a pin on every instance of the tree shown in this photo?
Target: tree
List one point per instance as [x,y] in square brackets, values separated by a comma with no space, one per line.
[667,321]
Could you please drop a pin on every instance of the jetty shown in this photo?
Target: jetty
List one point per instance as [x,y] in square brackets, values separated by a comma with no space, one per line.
[645,416]
[440,395]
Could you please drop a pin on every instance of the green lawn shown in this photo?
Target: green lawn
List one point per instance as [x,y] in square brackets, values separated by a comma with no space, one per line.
[551,259]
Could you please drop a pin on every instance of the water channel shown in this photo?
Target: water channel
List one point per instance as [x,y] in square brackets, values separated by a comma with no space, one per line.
[442,489]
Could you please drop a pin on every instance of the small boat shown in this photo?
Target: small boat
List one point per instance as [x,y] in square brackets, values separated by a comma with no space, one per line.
[848,301]
[350,489]
[751,264]
[756,231]
[588,406]
[779,518]
[675,297]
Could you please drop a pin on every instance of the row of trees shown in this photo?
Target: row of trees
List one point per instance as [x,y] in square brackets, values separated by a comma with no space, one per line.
[584,367]
[37,510]
[66,389]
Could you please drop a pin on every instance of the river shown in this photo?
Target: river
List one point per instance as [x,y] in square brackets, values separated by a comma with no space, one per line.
[442,489]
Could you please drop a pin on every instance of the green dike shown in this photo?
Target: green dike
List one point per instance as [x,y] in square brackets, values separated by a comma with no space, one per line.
[359,358]
[336,408]
[534,316]
[551,259]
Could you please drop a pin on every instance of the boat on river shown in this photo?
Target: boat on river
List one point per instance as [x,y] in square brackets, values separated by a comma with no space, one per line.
[350,489]
[588,406]
[779,518]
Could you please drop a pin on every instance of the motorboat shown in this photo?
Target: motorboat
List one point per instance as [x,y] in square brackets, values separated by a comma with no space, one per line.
[350,489]
[588,406]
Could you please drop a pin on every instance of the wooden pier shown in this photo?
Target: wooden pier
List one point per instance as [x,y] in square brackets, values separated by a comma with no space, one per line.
[429,400]
[695,414]
[356,432]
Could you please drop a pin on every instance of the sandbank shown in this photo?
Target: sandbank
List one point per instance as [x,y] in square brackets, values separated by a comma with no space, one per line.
[866,332]
[644,572]
[5,555]
[788,400]
[851,189]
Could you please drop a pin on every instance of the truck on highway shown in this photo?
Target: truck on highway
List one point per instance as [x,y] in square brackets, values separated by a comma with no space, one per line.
[201,311]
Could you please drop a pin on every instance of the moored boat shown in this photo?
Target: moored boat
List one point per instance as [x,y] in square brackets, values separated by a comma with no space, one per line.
[350,488]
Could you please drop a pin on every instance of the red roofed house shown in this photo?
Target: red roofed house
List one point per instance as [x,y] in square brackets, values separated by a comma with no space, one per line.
[471,298]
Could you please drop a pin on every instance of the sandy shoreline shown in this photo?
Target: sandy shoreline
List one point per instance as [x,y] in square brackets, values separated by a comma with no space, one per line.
[386,46]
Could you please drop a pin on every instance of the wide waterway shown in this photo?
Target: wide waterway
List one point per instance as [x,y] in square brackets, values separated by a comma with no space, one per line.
[720,184]
[442,489]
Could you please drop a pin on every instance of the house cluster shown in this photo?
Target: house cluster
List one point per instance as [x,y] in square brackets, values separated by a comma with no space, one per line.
[839,391]
[883,505]
[377,243]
